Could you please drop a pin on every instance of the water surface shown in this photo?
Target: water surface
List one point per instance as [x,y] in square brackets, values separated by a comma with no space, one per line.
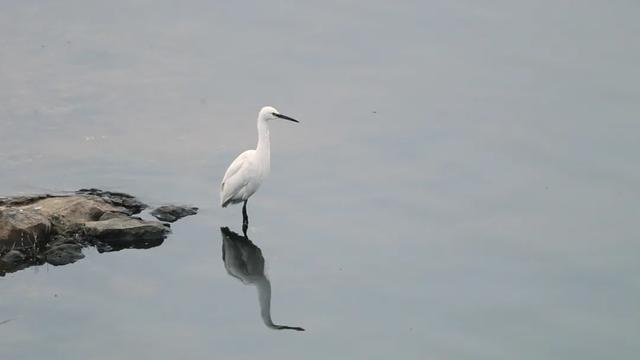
[463,183]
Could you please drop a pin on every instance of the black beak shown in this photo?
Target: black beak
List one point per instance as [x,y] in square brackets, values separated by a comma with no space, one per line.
[285,117]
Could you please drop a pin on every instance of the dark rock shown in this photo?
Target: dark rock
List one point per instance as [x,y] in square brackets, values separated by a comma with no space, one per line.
[102,246]
[13,258]
[125,229]
[13,261]
[63,254]
[126,233]
[171,213]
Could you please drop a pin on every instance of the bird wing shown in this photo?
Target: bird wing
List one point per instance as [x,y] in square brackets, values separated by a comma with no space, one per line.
[235,168]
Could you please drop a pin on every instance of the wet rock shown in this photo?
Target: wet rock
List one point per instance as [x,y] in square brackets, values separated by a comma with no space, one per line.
[171,213]
[63,254]
[125,231]
[102,246]
[13,261]
[12,258]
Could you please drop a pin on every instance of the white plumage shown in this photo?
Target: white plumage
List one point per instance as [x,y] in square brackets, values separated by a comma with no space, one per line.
[243,178]
[247,172]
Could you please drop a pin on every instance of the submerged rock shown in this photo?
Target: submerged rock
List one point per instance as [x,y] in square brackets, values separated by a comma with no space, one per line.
[63,254]
[55,228]
[12,258]
[171,213]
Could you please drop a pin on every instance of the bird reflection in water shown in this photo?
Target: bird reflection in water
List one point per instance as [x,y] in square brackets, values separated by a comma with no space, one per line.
[243,260]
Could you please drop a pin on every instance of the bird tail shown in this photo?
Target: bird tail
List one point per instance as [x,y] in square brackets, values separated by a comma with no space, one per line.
[224,201]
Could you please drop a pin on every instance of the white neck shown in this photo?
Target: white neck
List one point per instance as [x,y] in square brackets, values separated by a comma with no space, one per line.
[263,150]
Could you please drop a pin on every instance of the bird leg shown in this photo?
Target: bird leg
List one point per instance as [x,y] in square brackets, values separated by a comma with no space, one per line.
[245,217]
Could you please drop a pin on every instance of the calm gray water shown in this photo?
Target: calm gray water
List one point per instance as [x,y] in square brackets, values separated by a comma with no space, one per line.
[463,184]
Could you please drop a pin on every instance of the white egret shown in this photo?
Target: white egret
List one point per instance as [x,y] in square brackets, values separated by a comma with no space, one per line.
[247,172]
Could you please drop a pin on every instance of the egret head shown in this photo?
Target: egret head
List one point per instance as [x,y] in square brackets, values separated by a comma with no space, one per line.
[269,113]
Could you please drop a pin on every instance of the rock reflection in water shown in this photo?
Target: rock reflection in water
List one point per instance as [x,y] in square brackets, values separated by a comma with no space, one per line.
[244,261]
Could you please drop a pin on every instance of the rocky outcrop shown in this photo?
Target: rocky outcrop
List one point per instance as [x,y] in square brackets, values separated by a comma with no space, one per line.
[55,228]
